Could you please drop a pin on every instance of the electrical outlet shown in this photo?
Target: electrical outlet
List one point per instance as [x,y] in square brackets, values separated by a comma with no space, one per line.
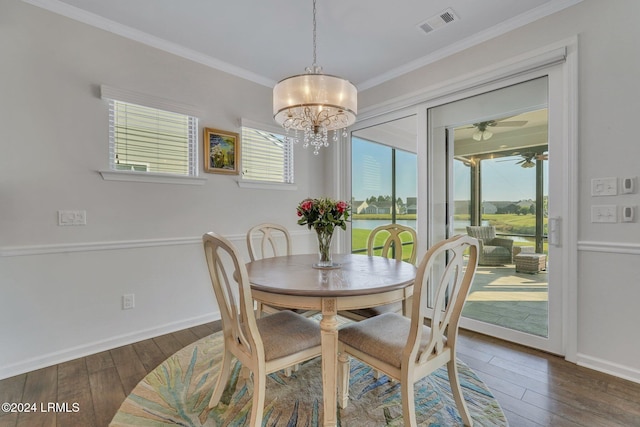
[72,217]
[604,213]
[128,301]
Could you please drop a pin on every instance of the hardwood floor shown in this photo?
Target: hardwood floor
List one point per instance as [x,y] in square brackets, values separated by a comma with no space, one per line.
[533,388]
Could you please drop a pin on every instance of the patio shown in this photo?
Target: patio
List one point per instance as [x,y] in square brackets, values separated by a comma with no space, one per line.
[503,297]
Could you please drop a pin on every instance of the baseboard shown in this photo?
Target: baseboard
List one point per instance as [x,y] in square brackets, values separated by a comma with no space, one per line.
[102,345]
[608,367]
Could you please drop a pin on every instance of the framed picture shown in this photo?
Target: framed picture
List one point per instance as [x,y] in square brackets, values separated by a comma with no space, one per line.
[221,151]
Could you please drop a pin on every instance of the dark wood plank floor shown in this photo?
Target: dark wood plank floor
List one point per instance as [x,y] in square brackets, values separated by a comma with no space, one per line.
[533,388]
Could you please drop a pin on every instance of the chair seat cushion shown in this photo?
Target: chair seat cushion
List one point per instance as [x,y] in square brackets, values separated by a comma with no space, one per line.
[496,251]
[383,337]
[285,333]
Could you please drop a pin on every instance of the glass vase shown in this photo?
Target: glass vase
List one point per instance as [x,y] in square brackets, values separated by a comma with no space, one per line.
[324,249]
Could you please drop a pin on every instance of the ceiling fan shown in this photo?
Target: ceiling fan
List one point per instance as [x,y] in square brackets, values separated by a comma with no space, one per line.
[482,133]
[527,160]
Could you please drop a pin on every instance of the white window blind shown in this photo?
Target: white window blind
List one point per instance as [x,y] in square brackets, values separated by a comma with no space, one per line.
[148,139]
[266,156]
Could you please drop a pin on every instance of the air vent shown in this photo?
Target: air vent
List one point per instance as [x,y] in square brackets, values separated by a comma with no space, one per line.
[445,17]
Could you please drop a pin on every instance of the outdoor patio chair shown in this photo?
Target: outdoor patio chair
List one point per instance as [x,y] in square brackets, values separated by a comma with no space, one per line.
[493,250]
[407,350]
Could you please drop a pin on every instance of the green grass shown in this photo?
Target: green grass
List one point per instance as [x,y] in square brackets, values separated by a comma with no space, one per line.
[509,223]
[504,223]
[383,216]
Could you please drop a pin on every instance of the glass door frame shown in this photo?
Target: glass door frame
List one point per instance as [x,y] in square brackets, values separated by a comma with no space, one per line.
[441,219]
[564,56]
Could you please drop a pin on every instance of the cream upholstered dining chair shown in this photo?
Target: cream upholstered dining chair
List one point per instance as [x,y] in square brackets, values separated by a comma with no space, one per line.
[392,247]
[262,242]
[268,235]
[393,244]
[405,349]
[263,345]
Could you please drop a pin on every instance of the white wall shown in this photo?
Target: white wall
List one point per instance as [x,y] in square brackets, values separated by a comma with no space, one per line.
[61,287]
[65,301]
[608,254]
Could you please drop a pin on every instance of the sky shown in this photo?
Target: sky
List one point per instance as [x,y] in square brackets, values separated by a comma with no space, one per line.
[371,175]
[502,180]
[371,171]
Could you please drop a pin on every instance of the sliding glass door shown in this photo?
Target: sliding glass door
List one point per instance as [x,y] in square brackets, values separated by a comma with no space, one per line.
[489,175]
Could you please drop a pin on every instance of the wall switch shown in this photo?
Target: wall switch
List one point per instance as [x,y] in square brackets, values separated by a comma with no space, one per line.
[628,213]
[128,301]
[604,186]
[604,213]
[72,218]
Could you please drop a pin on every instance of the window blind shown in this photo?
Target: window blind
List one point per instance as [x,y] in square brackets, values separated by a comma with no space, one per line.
[151,140]
[266,156]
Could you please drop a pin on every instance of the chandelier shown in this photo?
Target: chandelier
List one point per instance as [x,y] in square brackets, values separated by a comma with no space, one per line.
[315,103]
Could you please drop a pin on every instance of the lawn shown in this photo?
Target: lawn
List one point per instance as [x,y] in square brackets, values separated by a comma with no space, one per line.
[505,224]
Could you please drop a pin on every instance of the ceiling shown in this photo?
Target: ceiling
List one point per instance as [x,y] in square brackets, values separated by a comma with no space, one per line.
[365,41]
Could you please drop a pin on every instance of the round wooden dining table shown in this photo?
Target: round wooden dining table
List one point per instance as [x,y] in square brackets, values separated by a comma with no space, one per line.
[359,281]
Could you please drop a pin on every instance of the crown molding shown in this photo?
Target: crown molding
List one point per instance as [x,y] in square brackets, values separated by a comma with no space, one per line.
[94,20]
[521,20]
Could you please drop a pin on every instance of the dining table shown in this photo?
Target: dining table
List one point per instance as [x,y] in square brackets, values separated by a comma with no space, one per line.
[353,282]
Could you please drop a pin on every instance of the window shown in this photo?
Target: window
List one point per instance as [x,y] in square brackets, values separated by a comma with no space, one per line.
[384,183]
[266,156]
[151,140]
[150,136]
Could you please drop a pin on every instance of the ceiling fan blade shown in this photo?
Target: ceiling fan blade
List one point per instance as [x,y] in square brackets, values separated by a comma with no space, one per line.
[514,123]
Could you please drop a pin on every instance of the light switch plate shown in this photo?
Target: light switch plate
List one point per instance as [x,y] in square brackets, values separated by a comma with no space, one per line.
[604,186]
[604,213]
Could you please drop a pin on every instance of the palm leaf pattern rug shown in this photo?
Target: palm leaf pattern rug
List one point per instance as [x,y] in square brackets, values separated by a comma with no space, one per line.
[177,392]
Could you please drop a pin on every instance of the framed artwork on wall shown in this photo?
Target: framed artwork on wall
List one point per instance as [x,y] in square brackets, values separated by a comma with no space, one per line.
[221,151]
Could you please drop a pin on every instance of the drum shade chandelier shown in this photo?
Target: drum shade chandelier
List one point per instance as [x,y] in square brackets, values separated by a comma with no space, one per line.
[315,103]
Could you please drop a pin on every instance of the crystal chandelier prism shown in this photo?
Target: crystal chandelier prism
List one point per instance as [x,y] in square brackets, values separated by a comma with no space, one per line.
[315,104]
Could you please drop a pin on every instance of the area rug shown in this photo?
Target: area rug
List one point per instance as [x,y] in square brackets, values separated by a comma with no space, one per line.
[177,392]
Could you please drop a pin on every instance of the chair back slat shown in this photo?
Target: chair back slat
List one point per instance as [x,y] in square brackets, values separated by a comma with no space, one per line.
[268,238]
[444,268]
[392,247]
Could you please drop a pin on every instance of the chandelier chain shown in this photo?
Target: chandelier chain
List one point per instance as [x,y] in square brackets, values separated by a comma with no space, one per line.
[314,35]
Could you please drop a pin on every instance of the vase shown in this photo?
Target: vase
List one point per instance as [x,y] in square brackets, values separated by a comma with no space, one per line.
[324,249]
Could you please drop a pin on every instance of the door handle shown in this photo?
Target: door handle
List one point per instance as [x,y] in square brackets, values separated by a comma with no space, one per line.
[555,235]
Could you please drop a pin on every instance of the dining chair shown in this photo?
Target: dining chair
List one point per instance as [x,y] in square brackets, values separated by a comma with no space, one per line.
[406,349]
[268,235]
[269,240]
[392,247]
[262,345]
[263,242]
